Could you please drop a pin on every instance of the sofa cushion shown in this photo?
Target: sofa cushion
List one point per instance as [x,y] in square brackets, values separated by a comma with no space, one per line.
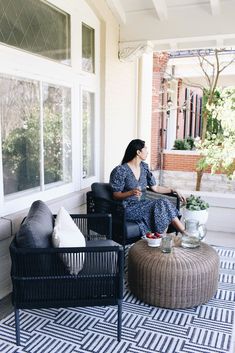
[100,262]
[37,227]
[67,235]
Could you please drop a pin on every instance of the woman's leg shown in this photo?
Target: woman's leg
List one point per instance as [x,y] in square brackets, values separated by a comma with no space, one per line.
[178,225]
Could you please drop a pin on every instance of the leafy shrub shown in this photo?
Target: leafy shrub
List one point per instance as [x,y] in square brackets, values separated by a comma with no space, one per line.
[184,144]
[181,145]
[195,203]
[190,141]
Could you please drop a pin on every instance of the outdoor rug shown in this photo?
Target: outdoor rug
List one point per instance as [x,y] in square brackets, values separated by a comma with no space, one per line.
[146,329]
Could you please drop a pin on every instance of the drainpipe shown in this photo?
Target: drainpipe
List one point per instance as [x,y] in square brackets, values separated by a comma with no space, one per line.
[161,137]
[162,132]
[161,168]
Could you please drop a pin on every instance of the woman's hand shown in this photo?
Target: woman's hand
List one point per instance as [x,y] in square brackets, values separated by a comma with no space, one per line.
[181,197]
[119,195]
[136,192]
[167,190]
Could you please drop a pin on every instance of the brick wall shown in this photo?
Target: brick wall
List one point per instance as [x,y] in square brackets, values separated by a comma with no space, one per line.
[185,161]
[179,171]
[180,115]
[180,162]
[159,119]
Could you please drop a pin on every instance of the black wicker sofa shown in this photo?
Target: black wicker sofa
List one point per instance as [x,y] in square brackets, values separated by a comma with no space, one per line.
[41,278]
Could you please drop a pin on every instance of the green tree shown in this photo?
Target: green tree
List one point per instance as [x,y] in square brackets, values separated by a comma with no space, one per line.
[212,67]
[218,147]
[21,155]
[21,151]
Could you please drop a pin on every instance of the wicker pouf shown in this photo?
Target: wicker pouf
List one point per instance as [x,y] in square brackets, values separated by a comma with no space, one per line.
[181,279]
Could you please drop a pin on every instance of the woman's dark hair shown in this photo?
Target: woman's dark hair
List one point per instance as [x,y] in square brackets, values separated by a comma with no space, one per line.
[131,150]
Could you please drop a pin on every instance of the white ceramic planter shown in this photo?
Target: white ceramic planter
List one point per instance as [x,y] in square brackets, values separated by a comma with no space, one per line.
[201,216]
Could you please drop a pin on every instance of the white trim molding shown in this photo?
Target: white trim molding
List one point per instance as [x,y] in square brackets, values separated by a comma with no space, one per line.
[133,51]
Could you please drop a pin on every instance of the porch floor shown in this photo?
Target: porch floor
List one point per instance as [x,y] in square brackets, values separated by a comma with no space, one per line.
[212,238]
[220,239]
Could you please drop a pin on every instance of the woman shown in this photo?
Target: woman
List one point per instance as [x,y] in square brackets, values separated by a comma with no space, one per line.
[129,181]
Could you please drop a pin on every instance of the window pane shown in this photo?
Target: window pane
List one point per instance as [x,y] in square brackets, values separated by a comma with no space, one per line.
[88,142]
[20,133]
[37,27]
[57,134]
[88,48]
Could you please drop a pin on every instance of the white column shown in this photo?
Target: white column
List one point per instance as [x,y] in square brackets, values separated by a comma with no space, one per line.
[144,112]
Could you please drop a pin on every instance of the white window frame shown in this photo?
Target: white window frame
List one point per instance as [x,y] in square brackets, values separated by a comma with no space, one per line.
[91,82]
[31,66]
[86,182]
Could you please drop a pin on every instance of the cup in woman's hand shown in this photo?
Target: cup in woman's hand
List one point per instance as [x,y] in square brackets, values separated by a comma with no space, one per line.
[140,193]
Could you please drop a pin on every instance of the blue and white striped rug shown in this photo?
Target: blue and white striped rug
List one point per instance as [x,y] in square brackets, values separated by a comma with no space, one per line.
[146,329]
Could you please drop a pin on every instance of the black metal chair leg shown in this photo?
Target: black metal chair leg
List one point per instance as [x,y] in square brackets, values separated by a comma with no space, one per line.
[119,320]
[17,326]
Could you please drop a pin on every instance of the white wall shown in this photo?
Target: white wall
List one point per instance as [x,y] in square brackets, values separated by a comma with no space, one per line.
[120,107]
[119,84]
[221,211]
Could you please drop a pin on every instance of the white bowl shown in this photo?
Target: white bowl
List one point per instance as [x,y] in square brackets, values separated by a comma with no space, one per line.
[152,242]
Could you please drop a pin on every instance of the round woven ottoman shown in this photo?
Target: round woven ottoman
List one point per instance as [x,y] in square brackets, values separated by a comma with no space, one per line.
[180,279]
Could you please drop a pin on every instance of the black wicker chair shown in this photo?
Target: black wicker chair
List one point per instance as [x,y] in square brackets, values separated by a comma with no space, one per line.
[100,281]
[99,200]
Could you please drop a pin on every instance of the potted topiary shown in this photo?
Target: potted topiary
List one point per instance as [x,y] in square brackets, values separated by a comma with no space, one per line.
[196,208]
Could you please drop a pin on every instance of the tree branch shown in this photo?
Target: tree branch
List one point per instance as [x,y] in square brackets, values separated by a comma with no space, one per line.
[192,84]
[204,58]
[201,60]
[215,81]
[226,65]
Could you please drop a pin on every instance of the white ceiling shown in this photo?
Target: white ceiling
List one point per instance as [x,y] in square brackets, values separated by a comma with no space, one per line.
[176,24]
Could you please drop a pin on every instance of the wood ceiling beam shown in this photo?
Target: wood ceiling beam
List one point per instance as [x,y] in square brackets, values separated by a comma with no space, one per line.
[215,7]
[161,9]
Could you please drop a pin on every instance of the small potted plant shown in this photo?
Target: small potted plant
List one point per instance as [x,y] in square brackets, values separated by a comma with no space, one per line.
[196,208]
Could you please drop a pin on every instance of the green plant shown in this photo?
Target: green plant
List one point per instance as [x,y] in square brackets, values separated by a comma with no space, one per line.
[181,145]
[195,203]
[212,123]
[217,150]
[190,141]
[21,151]
[184,144]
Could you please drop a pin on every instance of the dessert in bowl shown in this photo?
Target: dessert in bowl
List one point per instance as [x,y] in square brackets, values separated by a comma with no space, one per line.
[153,239]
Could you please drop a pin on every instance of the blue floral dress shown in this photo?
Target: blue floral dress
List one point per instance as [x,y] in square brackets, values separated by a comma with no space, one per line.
[150,215]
